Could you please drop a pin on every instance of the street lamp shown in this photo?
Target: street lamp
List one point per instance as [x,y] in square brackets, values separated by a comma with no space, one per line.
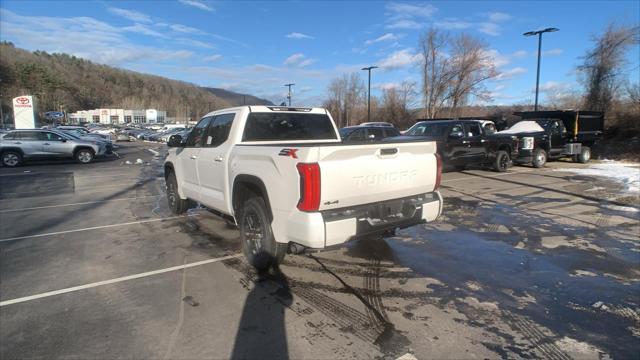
[289,95]
[369,92]
[539,33]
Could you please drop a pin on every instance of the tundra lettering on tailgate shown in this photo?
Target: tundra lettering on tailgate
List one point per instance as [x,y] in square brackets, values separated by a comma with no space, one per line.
[392,177]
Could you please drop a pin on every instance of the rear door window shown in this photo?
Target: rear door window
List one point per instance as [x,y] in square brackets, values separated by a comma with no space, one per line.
[29,136]
[377,134]
[391,132]
[472,129]
[357,135]
[219,129]
[197,135]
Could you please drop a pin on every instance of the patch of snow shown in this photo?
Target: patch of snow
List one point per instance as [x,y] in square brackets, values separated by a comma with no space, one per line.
[139,162]
[523,127]
[621,208]
[628,174]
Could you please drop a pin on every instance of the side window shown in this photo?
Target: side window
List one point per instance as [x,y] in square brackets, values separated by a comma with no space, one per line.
[218,131]
[47,136]
[390,132]
[472,129]
[357,135]
[9,136]
[196,137]
[29,136]
[377,134]
[456,129]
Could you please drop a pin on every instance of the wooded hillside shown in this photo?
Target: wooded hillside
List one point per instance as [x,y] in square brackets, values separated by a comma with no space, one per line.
[65,82]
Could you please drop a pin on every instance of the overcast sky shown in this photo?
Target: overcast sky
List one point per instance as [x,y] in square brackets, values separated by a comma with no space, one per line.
[257,47]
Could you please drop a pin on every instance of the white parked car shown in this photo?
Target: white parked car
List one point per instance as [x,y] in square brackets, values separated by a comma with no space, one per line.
[284,177]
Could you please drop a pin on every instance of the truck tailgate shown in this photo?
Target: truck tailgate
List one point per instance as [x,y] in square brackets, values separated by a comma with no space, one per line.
[364,174]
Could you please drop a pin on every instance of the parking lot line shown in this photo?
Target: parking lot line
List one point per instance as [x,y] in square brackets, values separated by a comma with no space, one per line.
[116,280]
[95,228]
[78,203]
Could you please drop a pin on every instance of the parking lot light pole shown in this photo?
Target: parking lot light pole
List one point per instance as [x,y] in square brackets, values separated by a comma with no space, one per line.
[539,33]
[289,95]
[369,92]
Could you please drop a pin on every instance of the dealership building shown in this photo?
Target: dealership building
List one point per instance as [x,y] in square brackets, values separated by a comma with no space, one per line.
[118,116]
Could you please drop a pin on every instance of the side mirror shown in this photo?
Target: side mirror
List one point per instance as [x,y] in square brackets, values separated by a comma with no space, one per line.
[456,135]
[64,140]
[175,141]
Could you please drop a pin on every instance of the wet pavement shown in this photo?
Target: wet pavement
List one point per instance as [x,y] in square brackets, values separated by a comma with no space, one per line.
[533,263]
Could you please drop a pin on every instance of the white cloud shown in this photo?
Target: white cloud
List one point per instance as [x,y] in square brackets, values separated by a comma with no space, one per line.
[386,86]
[294,59]
[498,16]
[213,58]
[408,15]
[83,37]
[399,59]
[519,54]
[385,37]
[143,29]
[552,86]
[298,60]
[196,43]
[197,4]
[496,58]
[411,9]
[552,52]
[297,35]
[185,29]
[508,74]
[451,24]
[132,15]
[489,28]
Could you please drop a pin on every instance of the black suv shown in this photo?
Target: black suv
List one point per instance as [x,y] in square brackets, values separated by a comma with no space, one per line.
[367,133]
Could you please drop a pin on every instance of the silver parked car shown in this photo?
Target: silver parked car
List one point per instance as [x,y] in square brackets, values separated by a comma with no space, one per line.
[20,145]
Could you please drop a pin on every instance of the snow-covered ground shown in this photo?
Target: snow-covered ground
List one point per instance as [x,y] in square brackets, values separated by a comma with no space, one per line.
[627,173]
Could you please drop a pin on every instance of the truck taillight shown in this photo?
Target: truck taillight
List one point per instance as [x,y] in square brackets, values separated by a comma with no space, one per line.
[309,186]
[439,172]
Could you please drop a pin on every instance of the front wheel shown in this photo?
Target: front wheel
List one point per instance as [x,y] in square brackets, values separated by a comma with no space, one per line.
[11,158]
[539,158]
[585,155]
[501,163]
[84,156]
[258,243]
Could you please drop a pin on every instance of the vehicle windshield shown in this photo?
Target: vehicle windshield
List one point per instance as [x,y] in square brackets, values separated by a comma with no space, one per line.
[288,126]
[427,129]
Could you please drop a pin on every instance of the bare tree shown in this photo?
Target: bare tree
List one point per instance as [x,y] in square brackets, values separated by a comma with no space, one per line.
[603,66]
[396,104]
[346,98]
[470,65]
[435,70]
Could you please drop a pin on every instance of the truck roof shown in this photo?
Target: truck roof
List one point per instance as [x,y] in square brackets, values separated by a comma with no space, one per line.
[263,108]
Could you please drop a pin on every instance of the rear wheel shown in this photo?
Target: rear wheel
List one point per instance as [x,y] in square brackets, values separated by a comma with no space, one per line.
[84,156]
[539,158]
[501,163]
[258,243]
[176,204]
[585,155]
[11,158]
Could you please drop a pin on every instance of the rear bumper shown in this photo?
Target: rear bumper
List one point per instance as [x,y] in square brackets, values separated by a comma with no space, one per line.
[334,227]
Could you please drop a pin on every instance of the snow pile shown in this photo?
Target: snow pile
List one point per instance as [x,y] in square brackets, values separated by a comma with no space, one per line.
[629,174]
[523,127]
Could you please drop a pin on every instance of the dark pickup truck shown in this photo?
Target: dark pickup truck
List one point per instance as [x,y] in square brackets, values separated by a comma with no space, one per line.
[547,135]
[468,142]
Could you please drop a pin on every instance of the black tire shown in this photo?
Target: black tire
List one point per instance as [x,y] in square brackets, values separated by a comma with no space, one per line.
[177,205]
[585,155]
[258,243]
[501,162]
[539,158]
[84,155]
[11,158]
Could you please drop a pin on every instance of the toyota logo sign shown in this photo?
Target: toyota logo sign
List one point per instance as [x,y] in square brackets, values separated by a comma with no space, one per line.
[22,100]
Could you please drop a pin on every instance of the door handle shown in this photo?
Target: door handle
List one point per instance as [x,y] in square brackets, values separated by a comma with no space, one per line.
[193,157]
[218,158]
[465,142]
[17,143]
[483,140]
[46,144]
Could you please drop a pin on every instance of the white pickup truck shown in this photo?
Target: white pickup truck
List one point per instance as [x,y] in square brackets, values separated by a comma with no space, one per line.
[283,176]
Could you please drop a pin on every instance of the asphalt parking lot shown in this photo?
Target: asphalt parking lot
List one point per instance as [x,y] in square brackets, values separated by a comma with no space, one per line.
[529,263]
